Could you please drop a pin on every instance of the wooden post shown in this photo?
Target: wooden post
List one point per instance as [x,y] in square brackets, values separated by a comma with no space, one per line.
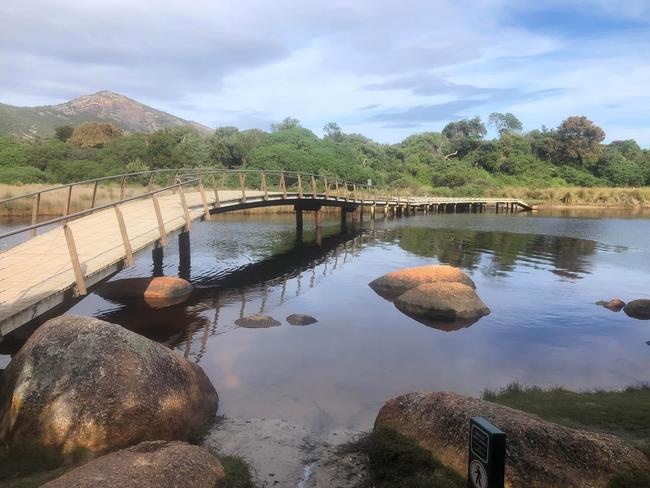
[343,217]
[327,188]
[300,195]
[74,259]
[318,218]
[150,184]
[161,223]
[336,182]
[94,198]
[186,211]
[125,237]
[298,218]
[242,184]
[354,191]
[263,186]
[223,180]
[184,255]
[206,210]
[123,188]
[35,208]
[283,186]
[313,186]
[217,204]
[66,210]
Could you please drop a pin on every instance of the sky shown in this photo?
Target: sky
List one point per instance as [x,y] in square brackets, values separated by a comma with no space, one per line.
[385,69]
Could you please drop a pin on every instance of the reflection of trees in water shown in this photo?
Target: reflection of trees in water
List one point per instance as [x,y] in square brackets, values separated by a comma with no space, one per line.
[467,249]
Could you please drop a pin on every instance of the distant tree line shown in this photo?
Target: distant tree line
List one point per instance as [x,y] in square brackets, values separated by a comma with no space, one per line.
[459,157]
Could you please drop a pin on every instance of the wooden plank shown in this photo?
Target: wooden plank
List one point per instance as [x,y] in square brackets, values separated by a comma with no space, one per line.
[35,209]
[186,211]
[74,260]
[125,237]
[159,219]
[206,210]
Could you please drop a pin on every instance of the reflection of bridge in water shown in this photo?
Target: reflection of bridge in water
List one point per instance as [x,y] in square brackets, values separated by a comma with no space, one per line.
[81,248]
[251,289]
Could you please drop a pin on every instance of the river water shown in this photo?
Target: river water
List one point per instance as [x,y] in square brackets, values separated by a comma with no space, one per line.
[540,274]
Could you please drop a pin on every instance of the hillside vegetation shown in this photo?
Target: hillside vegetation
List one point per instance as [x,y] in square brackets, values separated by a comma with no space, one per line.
[458,160]
[104,106]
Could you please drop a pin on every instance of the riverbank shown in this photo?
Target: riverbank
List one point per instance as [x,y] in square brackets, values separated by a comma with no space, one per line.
[53,203]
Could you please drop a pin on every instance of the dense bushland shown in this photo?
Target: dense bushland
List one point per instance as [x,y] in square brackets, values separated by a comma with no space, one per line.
[459,159]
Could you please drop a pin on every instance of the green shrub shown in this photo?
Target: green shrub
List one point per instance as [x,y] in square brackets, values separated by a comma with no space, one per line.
[23,174]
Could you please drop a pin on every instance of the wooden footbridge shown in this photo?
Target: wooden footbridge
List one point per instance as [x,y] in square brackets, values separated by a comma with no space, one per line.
[56,259]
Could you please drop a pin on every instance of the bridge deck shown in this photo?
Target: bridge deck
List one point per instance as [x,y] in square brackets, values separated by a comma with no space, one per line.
[37,275]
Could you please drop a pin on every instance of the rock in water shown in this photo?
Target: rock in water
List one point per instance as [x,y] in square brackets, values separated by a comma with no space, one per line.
[155,464]
[391,285]
[638,309]
[433,303]
[615,304]
[161,291]
[257,321]
[84,384]
[301,319]
[539,453]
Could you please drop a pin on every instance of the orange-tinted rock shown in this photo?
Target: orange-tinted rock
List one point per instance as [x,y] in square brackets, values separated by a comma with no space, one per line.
[432,303]
[539,453]
[153,464]
[159,291]
[84,384]
[393,284]
[638,309]
[615,304]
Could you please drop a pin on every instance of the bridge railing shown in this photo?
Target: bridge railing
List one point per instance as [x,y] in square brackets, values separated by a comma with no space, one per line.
[62,203]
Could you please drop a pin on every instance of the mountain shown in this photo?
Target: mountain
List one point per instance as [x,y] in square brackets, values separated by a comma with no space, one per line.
[103,106]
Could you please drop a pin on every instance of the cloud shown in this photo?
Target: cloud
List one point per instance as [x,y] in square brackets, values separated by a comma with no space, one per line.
[413,64]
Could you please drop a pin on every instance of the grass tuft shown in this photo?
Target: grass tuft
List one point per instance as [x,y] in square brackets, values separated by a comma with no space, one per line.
[397,461]
[238,473]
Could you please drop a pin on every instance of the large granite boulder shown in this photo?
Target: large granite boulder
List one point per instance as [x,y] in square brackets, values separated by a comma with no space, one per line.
[447,306]
[638,309]
[393,284]
[82,384]
[161,291]
[538,453]
[152,464]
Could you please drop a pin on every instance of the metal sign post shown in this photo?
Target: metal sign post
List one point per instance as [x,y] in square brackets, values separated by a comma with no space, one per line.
[487,455]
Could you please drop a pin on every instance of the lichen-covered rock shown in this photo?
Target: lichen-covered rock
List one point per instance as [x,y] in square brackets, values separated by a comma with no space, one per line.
[301,319]
[257,321]
[437,304]
[638,309]
[538,453]
[615,304]
[161,291]
[152,464]
[84,384]
[393,284]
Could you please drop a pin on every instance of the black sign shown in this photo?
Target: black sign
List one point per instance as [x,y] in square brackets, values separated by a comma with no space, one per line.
[487,455]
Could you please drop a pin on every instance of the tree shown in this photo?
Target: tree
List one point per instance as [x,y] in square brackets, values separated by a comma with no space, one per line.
[578,142]
[465,129]
[465,135]
[333,131]
[505,123]
[94,134]
[63,132]
[287,123]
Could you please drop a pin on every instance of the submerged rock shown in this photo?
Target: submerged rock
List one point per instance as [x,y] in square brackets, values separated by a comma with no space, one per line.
[257,321]
[161,291]
[615,304]
[638,309]
[393,284]
[153,464]
[539,453]
[84,384]
[432,303]
[301,319]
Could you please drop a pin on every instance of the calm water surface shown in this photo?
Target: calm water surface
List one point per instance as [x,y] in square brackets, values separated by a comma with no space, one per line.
[540,275]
